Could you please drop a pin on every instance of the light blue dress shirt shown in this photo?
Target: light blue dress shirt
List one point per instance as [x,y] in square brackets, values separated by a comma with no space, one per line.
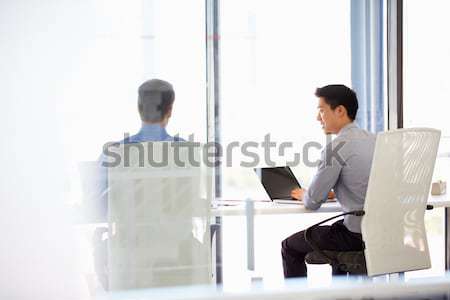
[151,133]
[344,167]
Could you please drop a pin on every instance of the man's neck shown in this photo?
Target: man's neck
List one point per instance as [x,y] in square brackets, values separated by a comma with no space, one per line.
[344,124]
[160,124]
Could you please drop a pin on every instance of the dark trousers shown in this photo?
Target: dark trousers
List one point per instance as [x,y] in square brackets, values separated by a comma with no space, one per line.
[335,237]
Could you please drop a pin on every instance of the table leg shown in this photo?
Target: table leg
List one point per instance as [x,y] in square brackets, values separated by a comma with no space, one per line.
[216,230]
[250,220]
[447,241]
[447,238]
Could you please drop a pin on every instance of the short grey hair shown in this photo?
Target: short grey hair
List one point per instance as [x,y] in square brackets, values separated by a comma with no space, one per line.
[155,99]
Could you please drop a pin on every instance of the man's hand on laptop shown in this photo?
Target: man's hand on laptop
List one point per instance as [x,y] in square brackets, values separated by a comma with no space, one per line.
[331,196]
[298,193]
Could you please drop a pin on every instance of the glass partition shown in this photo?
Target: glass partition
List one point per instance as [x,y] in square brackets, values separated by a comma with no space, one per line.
[70,77]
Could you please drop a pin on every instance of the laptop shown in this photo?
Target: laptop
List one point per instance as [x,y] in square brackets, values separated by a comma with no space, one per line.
[278,183]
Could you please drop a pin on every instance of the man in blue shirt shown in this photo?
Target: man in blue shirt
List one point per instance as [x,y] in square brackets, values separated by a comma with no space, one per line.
[344,167]
[155,102]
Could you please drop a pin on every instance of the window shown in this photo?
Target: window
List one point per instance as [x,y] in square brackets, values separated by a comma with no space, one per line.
[426,89]
[273,57]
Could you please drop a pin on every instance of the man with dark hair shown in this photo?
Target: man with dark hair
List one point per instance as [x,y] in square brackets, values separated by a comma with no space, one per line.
[155,101]
[344,167]
[338,94]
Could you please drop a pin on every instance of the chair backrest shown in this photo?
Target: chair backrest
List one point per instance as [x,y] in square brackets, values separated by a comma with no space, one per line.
[158,218]
[393,227]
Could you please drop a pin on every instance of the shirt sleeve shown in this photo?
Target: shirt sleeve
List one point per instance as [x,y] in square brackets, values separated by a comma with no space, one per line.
[100,195]
[324,180]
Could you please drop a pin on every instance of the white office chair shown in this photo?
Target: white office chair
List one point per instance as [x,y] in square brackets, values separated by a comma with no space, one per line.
[393,227]
[158,218]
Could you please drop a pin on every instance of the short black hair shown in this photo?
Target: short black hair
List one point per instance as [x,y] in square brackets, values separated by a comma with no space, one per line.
[155,99]
[338,94]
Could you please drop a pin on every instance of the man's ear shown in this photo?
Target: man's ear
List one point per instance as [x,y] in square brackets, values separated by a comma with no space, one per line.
[169,112]
[341,110]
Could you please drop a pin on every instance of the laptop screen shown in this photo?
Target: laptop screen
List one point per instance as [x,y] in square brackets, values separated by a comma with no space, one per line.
[278,181]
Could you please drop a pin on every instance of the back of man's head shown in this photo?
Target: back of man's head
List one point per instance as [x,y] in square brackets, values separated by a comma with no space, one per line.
[338,94]
[155,100]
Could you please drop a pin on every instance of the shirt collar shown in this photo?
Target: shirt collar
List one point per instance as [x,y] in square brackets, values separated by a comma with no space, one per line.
[154,130]
[347,127]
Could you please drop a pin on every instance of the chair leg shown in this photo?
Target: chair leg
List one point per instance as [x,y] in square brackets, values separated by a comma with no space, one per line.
[337,272]
[400,276]
[367,278]
[216,231]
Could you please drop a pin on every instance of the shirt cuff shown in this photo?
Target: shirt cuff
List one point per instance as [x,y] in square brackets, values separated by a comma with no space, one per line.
[312,204]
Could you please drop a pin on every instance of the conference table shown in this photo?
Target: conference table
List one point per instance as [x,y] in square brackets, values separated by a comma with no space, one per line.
[250,208]
[222,208]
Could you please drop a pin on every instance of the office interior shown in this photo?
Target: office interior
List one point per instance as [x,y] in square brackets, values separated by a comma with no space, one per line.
[243,72]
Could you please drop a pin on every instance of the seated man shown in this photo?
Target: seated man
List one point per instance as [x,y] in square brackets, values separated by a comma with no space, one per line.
[155,102]
[344,167]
